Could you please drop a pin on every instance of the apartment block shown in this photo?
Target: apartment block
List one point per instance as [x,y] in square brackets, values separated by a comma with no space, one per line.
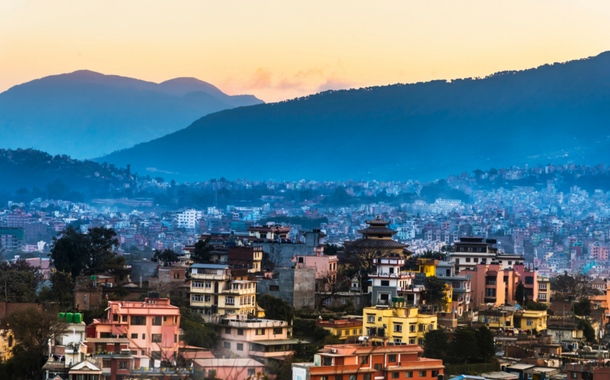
[397,323]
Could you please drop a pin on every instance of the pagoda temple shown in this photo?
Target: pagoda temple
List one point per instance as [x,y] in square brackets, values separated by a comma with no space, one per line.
[378,236]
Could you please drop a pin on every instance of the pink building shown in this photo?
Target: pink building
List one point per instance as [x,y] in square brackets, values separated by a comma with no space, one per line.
[326,266]
[148,329]
[599,252]
[491,284]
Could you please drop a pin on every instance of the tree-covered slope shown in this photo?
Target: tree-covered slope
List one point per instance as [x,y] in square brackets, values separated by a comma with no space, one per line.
[553,113]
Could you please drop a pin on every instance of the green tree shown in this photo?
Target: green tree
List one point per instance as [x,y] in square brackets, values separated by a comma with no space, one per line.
[582,307]
[533,305]
[588,330]
[520,295]
[68,252]
[166,256]
[102,245]
[201,254]
[32,329]
[464,344]
[434,292]
[436,344]
[17,284]
[62,289]
[276,308]
[485,343]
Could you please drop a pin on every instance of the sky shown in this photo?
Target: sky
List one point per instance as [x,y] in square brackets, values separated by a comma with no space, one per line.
[278,50]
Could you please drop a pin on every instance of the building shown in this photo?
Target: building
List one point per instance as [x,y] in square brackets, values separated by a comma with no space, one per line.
[217,290]
[12,239]
[461,287]
[188,219]
[245,257]
[264,340]
[397,323]
[325,266]
[471,251]
[377,238]
[297,286]
[282,251]
[389,282]
[530,320]
[342,328]
[544,290]
[234,369]
[365,362]
[148,330]
[272,233]
[493,285]
[588,371]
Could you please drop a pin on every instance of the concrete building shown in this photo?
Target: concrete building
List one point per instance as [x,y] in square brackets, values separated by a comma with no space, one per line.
[234,369]
[264,340]
[389,282]
[342,328]
[217,290]
[188,219]
[12,239]
[297,286]
[397,323]
[281,251]
[364,362]
[460,287]
[149,330]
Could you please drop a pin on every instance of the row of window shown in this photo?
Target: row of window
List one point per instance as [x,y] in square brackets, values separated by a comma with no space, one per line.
[394,375]
[140,320]
[276,331]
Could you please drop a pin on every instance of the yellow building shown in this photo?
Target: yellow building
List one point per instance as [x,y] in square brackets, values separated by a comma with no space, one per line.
[397,323]
[426,266]
[544,290]
[216,291]
[342,328]
[531,320]
[496,319]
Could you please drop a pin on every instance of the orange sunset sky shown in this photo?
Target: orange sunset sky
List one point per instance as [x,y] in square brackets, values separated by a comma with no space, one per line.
[283,49]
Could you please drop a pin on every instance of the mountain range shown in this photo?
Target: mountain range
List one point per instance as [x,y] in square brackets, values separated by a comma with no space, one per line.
[551,114]
[86,114]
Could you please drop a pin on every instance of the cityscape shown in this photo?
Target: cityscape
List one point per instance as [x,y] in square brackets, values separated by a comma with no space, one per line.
[272,190]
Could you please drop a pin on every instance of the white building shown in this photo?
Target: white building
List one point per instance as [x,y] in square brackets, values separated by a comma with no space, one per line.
[188,219]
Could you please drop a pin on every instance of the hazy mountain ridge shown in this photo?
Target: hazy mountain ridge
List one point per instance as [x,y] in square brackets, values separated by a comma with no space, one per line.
[553,113]
[87,114]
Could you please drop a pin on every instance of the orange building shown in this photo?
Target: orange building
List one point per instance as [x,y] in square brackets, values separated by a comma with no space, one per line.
[366,362]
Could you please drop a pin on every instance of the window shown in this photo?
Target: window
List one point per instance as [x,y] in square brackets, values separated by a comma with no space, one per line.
[468,259]
[227,330]
[542,296]
[212,373]
[326,361]
[392,358]
[134,336]
[277,330]
[197,284]
[240,331]
[240,346]
[352,377]
[377,366]
[197,298]
[123,365]
[476,259]
[423,373]
[84,298]
[208,298]
[156,338]
[397,328]
[490,281]
[530,322]
[409,374]
[412,341]
[529,280]
[542,286]
[156,321]
[138,320]
[411,328]
[385,282]
[124,318]
[370,319]
[338,377]
[274,288]
[323,377]
[434,373]
[260,331]
[574,375]
[143,336]
[227,345]
[366,376]
[395,375]
[251,372]
[490,292]
[364,360]
[230,300]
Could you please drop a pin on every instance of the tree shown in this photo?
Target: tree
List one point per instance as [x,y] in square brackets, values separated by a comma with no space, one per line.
[434,292]
[485,343]
[435,344]
[90,253]
[32,329]
[582,308]
[166,256]
[464,344]
[62,289]
[276,308]
[17,284]
[201,254]
[68,251]
[577,286]
[533,305]
[520,295]
[588,330]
